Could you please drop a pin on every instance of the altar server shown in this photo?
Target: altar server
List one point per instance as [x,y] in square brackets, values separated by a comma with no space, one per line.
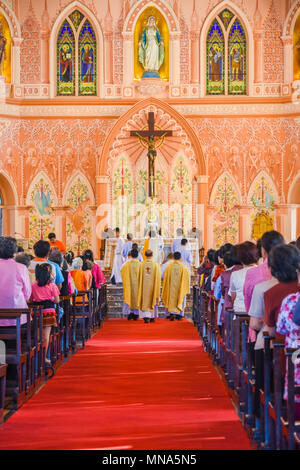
[176,285]
[127,246]
[149,288]
[130,273]
[176,243]
[118,260]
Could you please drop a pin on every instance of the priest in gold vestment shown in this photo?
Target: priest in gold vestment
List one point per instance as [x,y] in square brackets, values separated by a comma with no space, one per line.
[149,288]
[130,273]
[176,285]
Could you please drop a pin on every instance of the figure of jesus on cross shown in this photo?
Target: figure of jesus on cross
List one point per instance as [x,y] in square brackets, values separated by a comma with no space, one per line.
[151,137]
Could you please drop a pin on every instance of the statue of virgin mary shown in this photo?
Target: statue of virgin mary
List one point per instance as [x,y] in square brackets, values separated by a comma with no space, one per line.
[151,49]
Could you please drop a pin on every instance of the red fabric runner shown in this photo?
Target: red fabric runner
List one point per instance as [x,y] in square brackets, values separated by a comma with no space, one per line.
[135,386]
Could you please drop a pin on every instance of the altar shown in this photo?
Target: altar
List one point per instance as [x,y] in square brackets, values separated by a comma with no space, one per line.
[111,246]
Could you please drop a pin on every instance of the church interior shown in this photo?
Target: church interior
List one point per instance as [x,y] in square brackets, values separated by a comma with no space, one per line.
[147,116]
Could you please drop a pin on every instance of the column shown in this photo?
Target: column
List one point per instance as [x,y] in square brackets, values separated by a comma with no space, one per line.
[202,221]
[16,67]
[128,59]
[195,56]
[284,221]
[245,225]
[108,48]
[259,56]
[288,58]
[175,58]
[104,209]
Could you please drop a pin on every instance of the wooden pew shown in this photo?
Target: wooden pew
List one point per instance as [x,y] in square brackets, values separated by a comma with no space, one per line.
[290,427]
[3,368]
[82,311]
[17,354]
[276,404]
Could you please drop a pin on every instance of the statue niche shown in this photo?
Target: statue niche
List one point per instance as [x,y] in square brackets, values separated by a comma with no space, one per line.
[151,46]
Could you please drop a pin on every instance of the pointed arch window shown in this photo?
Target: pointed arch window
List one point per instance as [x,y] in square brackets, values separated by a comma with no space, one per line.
[76,57]
[226,56]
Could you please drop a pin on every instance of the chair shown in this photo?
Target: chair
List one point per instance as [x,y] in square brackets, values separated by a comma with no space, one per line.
[3,368]
[18,354]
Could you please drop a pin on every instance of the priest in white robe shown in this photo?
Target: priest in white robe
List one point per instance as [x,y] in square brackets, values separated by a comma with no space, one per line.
[116,277]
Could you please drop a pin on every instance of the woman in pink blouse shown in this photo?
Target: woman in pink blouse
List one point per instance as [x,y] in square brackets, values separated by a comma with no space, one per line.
[96,271]
[15,286]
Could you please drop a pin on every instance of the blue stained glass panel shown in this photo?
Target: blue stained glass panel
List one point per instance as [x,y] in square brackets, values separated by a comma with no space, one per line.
[215,60]
[65,61]
[87,60]
[237,60]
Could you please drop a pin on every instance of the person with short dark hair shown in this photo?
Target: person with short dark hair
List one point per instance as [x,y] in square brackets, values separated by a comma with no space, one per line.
[231,264]
[130,273]
[247,254]
[261,273]
[116,277]
[176,243]
[176,285]
[284,263]
[204,271]
[45,293]
[23,258]
[127,246]
[15,285]
[288,324]
[41,250]
[149,288]
[56,244]
[96,270]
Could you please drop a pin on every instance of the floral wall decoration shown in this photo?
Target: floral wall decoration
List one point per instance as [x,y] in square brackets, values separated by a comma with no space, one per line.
[226,217]
[41,213]
[181,194]
[122,195]
[263,208]
[78,228]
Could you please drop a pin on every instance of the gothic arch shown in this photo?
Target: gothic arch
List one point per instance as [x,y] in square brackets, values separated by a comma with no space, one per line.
[141,5]
[8,190]
[100,44]
[41,174]
[215,186]
[250,43]
[9,201]
[294,191]
[270,181]
[69,185]
[290,21]
[119,139]
[12,21]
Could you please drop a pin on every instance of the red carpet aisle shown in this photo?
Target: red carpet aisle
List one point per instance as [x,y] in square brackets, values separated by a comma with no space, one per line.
[135,386]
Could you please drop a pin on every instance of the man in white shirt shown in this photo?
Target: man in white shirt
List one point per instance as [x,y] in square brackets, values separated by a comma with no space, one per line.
[186,256]
[116,277]
[176,243]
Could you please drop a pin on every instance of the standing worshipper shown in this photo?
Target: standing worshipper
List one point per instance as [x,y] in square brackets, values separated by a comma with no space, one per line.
[118,260]
[136,247]
[176,243]
[186,256]
[149,288]
[127,246]
[130,273]
[155,244]
[176,285]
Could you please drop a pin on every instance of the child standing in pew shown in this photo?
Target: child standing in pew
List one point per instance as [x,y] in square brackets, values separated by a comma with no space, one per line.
[45,293]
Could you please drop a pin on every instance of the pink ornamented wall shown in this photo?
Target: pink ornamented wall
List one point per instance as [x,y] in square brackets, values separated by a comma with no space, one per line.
[238,145]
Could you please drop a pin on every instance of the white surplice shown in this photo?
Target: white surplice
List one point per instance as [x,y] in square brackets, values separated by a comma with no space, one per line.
[118,261]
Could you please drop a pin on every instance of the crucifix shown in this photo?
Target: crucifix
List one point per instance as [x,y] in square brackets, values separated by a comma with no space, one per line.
[151,137]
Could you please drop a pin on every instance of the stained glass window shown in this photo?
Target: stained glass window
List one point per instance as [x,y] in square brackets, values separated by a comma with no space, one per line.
[87,60]
[66,60]
[226,56]
[215,60]
[237,60]
[76,18]
[76,57]
[226,16]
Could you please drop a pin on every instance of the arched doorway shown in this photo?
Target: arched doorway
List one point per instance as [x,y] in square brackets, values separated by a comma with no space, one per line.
[180,172]
[7,207]
[294,201]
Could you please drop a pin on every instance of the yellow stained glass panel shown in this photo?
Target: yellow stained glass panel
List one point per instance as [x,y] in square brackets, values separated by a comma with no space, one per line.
[296,49]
